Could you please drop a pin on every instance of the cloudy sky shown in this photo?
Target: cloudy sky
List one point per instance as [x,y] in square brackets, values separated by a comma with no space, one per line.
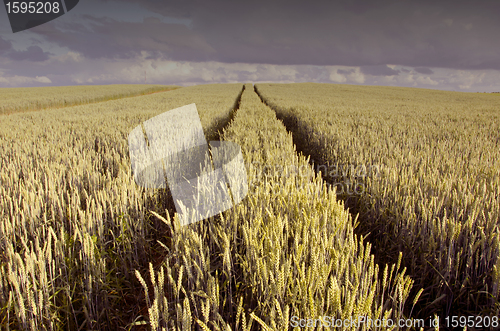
[450,45]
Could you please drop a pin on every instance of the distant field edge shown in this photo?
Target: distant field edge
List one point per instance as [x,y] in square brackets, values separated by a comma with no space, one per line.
[75,97]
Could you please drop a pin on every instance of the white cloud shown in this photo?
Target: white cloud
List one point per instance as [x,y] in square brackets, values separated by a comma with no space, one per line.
[16,81]
[357,76]
[465,79]
[408,78]
[336,77]
[426,81]
[70,56]
[72,69]
[43,79]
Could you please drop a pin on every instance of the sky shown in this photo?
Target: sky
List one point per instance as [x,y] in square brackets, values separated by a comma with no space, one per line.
[447,45]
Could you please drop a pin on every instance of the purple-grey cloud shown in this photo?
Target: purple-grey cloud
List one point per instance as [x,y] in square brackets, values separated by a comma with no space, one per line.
[381,70]
[33,53]
[108,38]
[345,71]
[448,34]
[342,41]
[5,45]
[424,70]
[443,34]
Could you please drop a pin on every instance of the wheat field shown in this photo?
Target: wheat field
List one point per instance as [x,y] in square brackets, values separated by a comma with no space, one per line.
[74,225]
[83,247]
[19,99]
[435,194]
[287,250]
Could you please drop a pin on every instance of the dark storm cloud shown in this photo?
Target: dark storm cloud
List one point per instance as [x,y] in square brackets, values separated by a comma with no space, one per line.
[345,71]
[449,34]
[108,38]
[5,45]
[423,70]
[379,71]
[33,53]
[195,41]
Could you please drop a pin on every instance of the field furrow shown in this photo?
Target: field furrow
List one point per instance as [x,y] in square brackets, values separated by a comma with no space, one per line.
[422,169]
[74,224]
[363,203]
[287,252]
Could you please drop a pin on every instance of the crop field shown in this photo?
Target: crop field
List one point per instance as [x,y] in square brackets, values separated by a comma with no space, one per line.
[287,250]
[35,98]
[422,169]
[74,225]
[373,202]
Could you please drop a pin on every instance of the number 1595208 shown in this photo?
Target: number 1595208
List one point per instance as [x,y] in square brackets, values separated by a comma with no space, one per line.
[33,7]
[472,321]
